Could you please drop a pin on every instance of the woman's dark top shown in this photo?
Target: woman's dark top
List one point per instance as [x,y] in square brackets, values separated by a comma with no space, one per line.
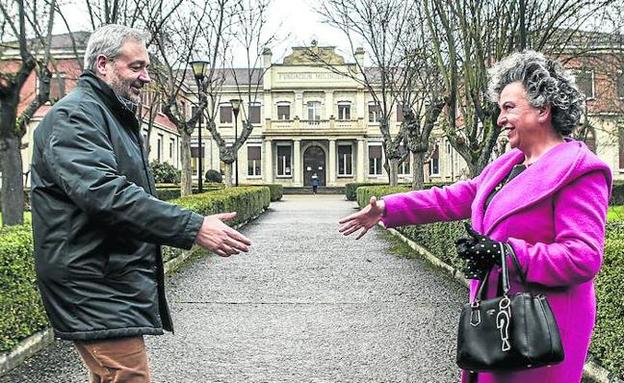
[515,171]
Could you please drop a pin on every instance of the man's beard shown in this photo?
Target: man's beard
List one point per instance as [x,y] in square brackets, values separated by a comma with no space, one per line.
[122,89]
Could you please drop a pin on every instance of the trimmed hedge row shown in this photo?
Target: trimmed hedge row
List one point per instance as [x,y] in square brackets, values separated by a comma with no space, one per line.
[277,191]
[20,303]
[351,188]
[607,346]
[167,192]
[617,194]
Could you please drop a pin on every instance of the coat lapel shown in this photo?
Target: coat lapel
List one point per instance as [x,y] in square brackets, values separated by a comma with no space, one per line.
[534,184]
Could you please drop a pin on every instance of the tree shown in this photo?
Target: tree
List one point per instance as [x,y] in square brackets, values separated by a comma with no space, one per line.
[250,25]
[22,33]
[469,36]
[200,30]
[379,27]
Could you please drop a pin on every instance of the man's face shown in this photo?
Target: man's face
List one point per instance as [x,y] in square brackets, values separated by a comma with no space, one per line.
[127,73]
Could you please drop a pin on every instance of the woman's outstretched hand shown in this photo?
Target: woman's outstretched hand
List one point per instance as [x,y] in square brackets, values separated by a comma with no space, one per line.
[363,219]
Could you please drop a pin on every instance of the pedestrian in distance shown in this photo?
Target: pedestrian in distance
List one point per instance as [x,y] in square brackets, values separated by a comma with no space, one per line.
[97,223]
[547,198]
[315,183]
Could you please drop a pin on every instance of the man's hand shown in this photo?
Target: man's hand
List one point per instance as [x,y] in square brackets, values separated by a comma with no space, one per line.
[363,219]
[219,238]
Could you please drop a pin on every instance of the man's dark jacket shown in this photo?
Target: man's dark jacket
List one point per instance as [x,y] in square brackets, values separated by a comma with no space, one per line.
[97,225]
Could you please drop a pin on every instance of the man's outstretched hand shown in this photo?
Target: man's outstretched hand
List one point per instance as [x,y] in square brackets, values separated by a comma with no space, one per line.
[219,238]
[364,219]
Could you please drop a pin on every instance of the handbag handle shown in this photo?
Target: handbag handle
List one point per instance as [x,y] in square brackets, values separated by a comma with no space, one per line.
[517,267]
[504,273]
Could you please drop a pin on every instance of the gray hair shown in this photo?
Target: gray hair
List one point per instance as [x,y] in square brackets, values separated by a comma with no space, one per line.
[546,83]
[108,40]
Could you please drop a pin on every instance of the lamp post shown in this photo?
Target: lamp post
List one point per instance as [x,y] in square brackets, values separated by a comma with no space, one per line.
[200,68]
[236,103]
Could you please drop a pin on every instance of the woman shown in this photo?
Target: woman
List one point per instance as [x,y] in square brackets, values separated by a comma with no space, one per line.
[547,198]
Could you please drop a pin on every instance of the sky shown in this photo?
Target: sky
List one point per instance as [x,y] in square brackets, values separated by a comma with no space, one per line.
[295,19]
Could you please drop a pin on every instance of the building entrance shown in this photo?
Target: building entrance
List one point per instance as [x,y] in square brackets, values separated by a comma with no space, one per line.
[314,162]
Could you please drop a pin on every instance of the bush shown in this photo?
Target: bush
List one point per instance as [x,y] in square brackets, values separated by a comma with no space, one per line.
[277,191]
[165,173]
[350,189]
[214,176]
[20,302]
[617,194]
[365,192]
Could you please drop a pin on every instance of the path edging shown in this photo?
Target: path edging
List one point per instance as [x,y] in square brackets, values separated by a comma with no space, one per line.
[591,370]
[41,339]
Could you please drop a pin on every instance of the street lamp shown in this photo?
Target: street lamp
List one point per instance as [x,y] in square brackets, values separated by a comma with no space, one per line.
[200,68]
[236,103]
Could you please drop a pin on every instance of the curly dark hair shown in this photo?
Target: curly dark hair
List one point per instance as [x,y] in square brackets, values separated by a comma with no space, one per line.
[546,83]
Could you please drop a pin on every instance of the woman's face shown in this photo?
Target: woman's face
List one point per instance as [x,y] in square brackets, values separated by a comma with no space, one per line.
[519,119]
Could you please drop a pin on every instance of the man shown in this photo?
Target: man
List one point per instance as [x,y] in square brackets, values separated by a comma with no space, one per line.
[97,225]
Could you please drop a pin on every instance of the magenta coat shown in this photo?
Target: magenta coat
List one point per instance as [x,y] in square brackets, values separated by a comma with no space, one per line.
[554,216]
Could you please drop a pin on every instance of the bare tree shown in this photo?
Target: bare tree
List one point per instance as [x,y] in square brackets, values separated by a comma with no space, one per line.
[200,30]
[379,27]
[25,48]
[250,22]
[469,36]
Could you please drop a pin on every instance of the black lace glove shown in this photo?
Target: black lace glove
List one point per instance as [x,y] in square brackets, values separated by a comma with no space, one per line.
[479,253]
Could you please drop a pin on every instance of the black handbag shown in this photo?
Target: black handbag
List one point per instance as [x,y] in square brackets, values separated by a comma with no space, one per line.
[507,333]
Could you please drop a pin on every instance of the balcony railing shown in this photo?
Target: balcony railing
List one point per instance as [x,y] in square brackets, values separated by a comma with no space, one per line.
[315,125]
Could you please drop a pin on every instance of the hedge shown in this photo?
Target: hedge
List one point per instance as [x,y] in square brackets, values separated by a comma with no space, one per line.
[20,303]
[351,189]
[617,194]
[167,192]
[607,346]
[277,191]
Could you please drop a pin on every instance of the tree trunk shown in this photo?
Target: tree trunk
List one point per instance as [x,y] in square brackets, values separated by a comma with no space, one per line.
[227,178]
[186,178]
[11,162]
[12,182]
[393,174]
[418,171]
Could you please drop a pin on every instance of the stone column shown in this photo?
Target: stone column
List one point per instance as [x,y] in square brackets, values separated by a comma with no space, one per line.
[297,164]
[361,164]
[331,163]
[329,104]
[268,162]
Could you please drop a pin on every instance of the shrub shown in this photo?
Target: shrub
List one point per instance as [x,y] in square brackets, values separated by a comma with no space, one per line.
[214,176]
[350,189]
[617,194]
[365,192]
[20,302]
[165,173]
[277,191]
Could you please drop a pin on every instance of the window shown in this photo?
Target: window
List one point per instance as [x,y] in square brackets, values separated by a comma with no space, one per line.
[621,146]
[195,156]
[374,112]
[57,86]
[620,84]
[159,147]
[145,142]
[172,151]
[344,110]
[283,160]
[405,166]
[314,110]
[434,162]
[585,82]
[449,159]
[345,160]
[374,160]
[225,114]
[254,113]
[254,160]
[283,111]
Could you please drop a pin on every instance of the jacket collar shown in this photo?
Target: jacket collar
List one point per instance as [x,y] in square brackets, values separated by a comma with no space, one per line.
[122,110]
[537,182]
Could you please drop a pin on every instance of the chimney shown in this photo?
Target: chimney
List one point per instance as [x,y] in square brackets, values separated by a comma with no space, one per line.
[359,56]
[266,58]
